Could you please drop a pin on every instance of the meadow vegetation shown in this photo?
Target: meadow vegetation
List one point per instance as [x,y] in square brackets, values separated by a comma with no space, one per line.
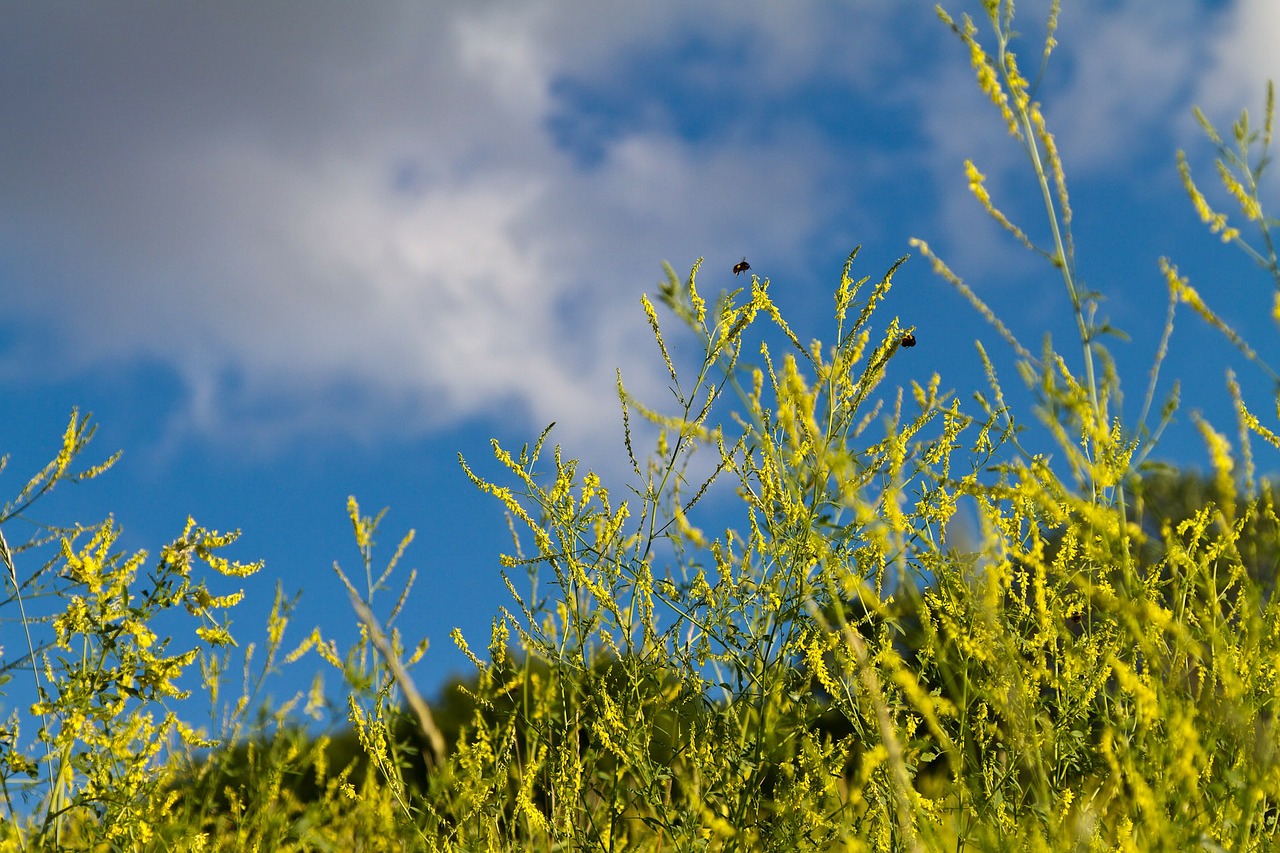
[821,613]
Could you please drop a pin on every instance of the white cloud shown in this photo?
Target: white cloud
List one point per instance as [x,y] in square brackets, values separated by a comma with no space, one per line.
[1244,59]
[372,201]
[297,205]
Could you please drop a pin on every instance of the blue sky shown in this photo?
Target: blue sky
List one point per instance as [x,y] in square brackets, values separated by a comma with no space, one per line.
[290,252]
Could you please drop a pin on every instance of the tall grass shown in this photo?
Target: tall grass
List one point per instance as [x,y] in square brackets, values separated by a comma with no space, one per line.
[772,635]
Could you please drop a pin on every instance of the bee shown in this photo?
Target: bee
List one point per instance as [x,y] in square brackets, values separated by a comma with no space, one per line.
[741,267]
[908,340]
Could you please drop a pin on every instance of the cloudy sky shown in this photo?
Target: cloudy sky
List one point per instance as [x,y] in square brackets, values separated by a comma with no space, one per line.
[293,251]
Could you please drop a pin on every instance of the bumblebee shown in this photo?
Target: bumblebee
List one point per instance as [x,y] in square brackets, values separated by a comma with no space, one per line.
[741,267]
[908,340]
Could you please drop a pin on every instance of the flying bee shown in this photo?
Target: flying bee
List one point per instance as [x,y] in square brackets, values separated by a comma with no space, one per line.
[741,267]
[908,340]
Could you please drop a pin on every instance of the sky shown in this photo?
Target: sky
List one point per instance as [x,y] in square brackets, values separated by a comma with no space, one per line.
[291,252]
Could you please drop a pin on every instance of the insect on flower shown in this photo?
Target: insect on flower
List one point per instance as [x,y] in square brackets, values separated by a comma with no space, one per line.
[908,340]
[741,267]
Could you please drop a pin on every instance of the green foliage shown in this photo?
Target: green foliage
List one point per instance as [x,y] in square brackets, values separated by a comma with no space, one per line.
[821,614]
